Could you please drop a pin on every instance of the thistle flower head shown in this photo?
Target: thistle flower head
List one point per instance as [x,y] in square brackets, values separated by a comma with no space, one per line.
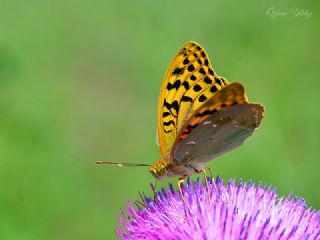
[242,211]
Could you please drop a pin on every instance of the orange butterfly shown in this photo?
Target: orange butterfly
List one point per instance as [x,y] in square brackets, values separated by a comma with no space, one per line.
[200,116]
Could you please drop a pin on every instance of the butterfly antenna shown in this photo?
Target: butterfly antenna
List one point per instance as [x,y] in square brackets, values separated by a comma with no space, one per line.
[119,164]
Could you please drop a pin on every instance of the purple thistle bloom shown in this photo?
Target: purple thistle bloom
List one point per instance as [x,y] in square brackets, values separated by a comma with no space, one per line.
[242,211]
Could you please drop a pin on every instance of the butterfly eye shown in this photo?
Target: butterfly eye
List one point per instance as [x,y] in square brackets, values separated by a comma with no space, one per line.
[161,170]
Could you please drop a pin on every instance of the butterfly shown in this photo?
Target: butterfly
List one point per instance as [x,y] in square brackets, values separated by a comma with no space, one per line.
[201,116]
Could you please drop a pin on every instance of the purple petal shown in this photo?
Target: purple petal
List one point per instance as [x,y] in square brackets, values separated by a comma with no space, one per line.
[240,211]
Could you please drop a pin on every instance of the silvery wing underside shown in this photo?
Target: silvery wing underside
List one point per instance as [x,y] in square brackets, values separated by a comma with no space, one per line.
[220,132]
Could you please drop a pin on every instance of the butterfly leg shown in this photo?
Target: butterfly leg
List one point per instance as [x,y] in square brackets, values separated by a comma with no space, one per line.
[155,190]
[213,181]
[215,186]
[206,182]
[209,169]
[180,181]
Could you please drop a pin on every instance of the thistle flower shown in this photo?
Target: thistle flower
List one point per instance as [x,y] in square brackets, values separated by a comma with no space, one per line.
[231,211]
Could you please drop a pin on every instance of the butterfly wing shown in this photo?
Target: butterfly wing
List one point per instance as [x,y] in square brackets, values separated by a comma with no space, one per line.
[188,83]
[220,125]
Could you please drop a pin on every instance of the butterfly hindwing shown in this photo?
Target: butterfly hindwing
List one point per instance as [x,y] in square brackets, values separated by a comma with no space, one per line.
[220,125]
[221,132]
[189,82]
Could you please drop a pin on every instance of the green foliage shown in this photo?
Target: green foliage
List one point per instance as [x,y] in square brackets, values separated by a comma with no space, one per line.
[79,82]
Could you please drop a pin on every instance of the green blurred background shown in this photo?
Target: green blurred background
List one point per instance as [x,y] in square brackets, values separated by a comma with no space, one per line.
[79,82]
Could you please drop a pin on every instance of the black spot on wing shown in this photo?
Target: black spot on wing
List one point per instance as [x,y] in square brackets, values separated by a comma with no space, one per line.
[177,71]
[186,61]
[191,68]
[218,81]
[193,77]
[197,88]
[186,99]
[165,114]
[206,112]
[175,85]
[202,98]
[187,130]
[213,89]
[171,122]
[190,127]
[207,80]
[206,62]
[211,72]
[202,71]
[186,85]
[174,105]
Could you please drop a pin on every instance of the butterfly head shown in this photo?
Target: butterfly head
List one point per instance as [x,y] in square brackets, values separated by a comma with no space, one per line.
[159,170]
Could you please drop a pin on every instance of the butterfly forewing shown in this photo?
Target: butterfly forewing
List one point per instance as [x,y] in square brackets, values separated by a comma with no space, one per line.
[189,82]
